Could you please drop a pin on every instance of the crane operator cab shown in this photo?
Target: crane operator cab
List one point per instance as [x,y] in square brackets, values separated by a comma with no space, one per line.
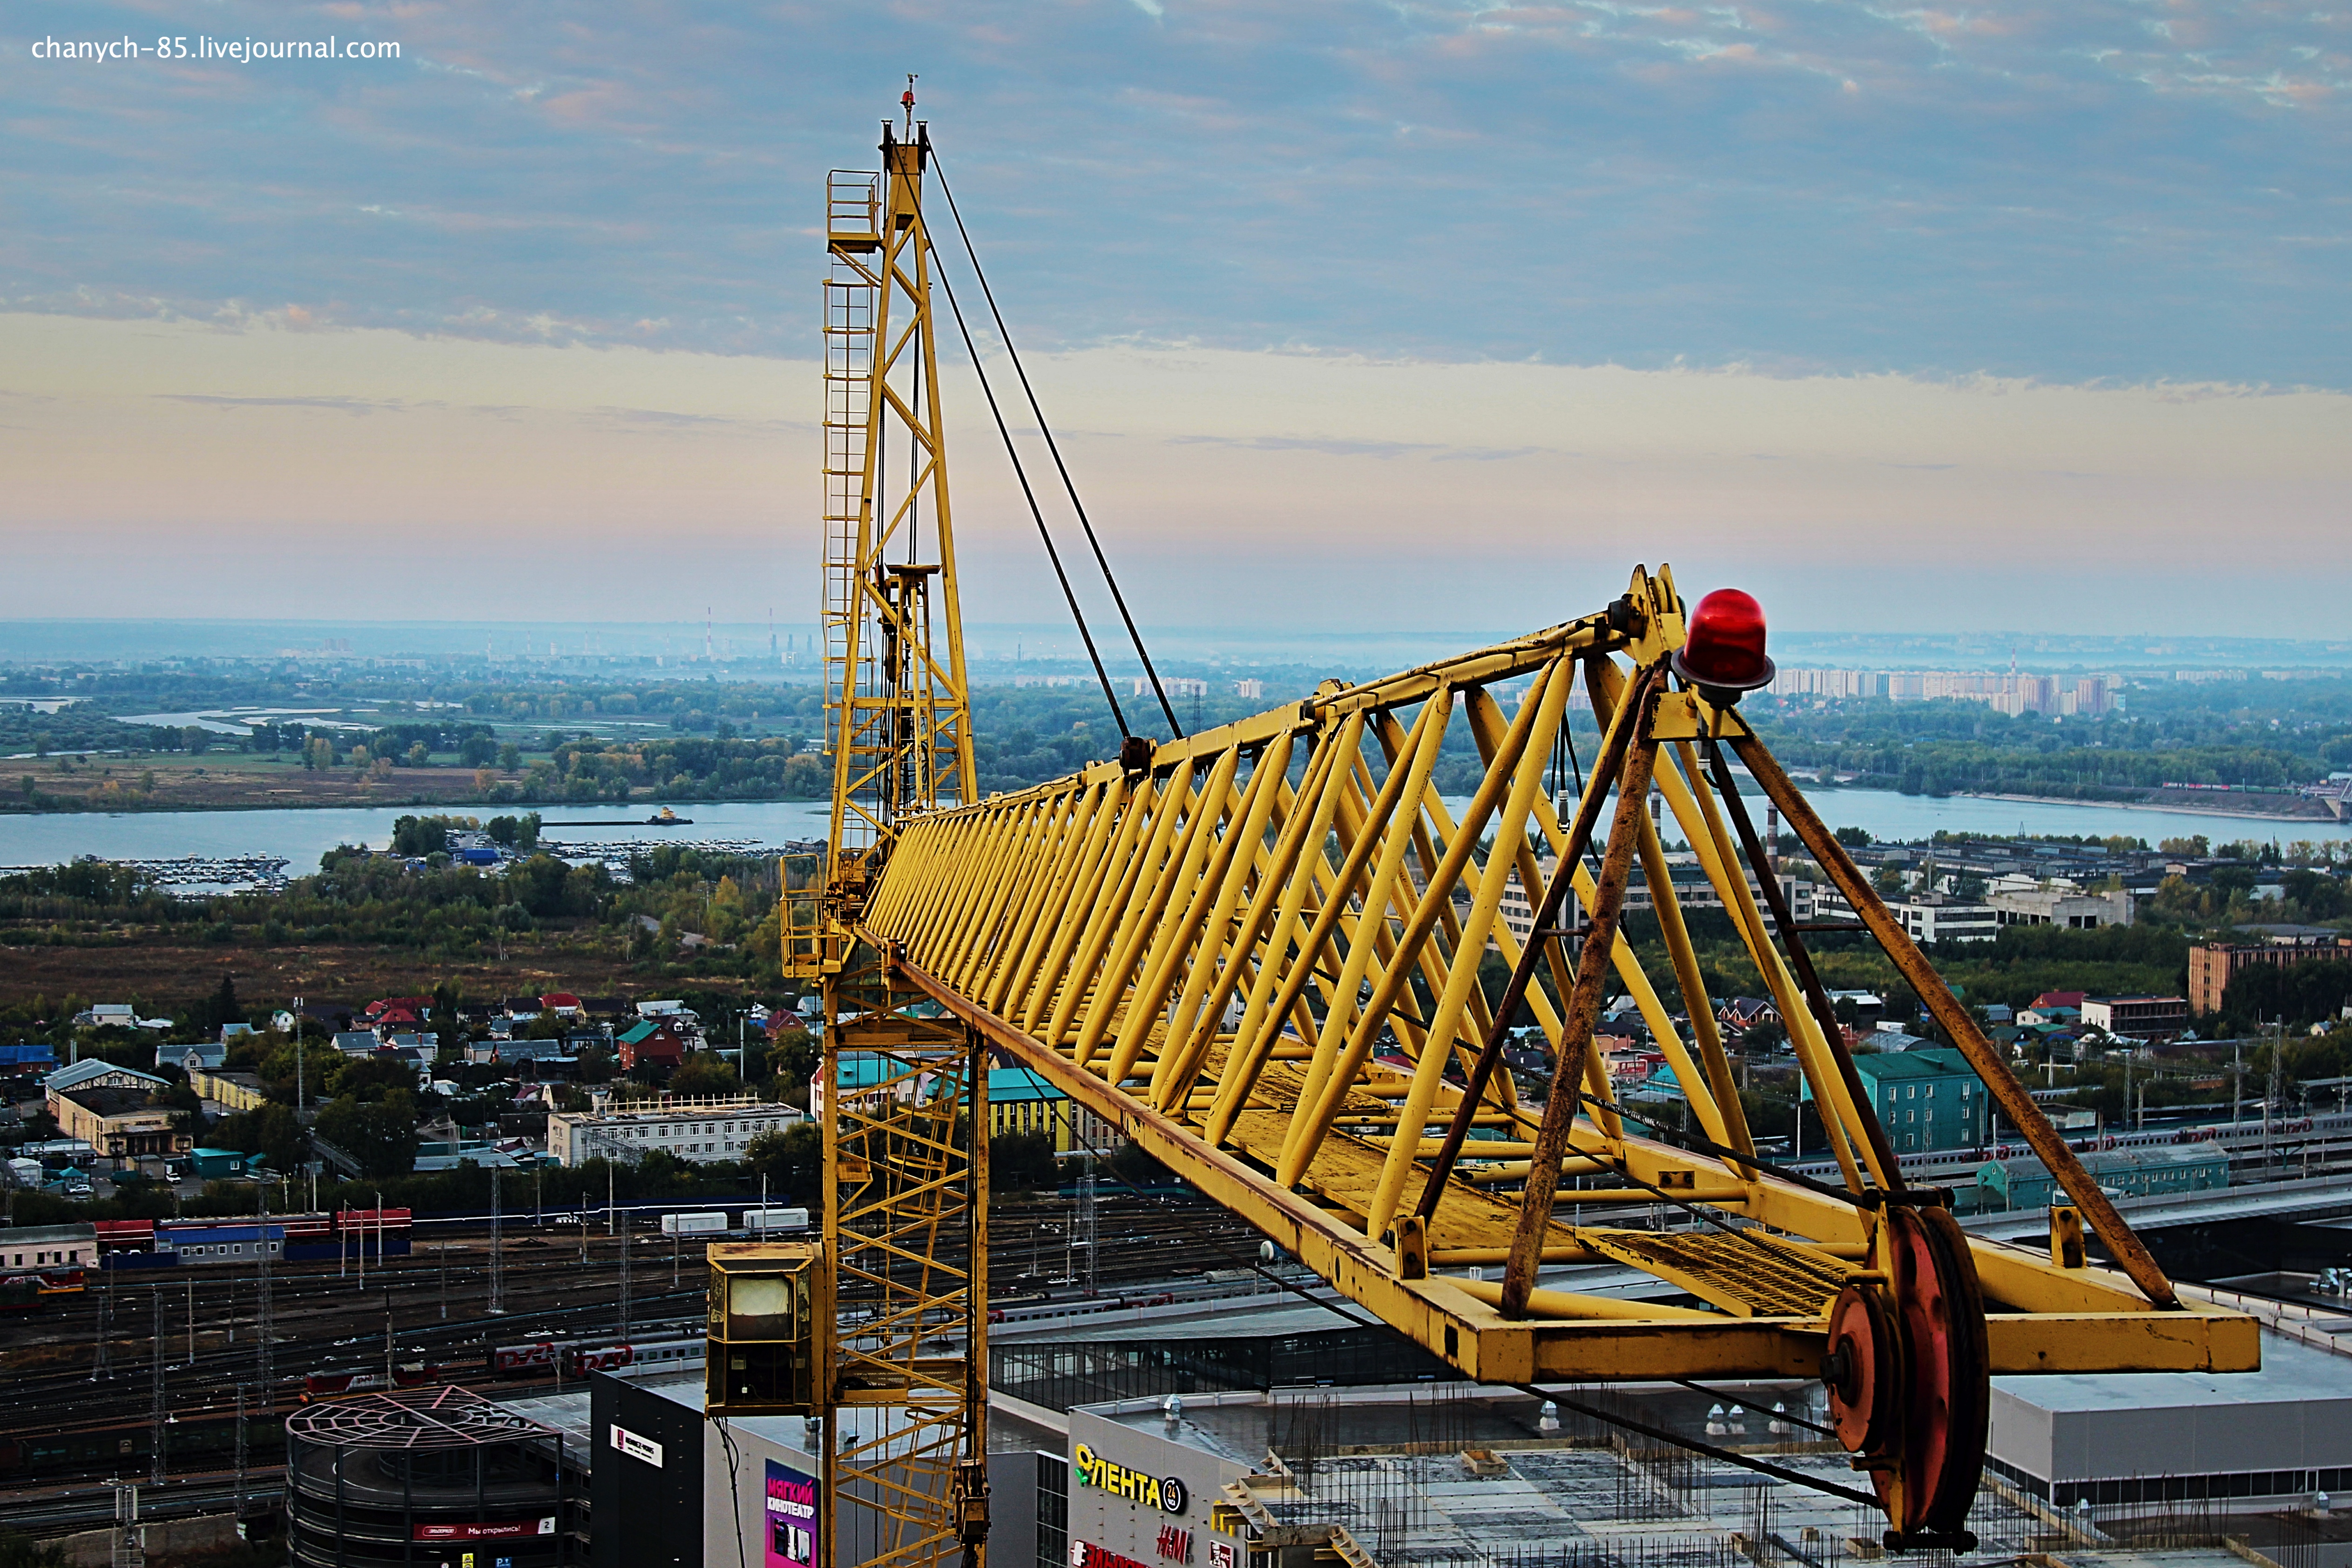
[771,1329]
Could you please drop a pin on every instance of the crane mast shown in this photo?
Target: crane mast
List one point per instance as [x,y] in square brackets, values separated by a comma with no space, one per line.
[897,1292]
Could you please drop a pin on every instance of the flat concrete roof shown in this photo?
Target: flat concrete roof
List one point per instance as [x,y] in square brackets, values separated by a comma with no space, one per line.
[2291,1373]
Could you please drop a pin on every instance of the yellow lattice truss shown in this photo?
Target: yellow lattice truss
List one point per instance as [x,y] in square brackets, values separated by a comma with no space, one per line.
[898,710]
[1207,955]
[905,1229]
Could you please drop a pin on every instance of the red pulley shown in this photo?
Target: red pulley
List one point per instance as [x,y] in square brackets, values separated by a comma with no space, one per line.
[1723,647]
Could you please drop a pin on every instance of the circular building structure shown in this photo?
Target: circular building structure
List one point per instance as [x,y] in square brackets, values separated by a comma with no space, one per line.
[424,1477]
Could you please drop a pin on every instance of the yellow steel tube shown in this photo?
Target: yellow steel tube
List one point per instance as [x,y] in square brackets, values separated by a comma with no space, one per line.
[1045,911]
[1537,717]
[1313,1119]
[1320,792]
[1044,979]
[1160,866]
[1520,764]
[1174,938]
[1226,879]
[1100,917]
[1695,808]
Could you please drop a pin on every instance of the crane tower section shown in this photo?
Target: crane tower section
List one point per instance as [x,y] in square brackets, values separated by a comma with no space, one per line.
[898,710]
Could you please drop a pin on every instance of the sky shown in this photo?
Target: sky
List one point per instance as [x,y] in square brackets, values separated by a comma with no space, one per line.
[1423,315]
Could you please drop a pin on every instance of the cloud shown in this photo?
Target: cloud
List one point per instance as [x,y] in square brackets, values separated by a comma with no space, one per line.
[338,404]
[2025,188]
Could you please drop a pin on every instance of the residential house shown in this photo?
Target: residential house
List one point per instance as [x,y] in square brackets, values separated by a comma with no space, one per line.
[397,1012]
[657,1041]
[355,1042]
[199,1056]
[1742,1013]
[481,1053]
[563,1003]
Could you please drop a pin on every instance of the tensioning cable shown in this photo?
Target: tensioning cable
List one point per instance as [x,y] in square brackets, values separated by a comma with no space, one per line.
[1054,447]
[1022,473]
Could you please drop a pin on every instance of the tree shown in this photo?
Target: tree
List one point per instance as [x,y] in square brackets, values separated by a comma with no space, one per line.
[419,836]
[1021,1160]
[1853,837]
[381,1136]
[368,1077]
[221,1007]
[24,1552]
[271,1131]
[705,1072]
[510,757]
[791,1159]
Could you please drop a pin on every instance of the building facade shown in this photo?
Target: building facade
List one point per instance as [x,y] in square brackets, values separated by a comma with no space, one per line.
[2059,904]
[2140,1018]
[1926,1098]
[700,1129]
[2213,964]
[111,1109]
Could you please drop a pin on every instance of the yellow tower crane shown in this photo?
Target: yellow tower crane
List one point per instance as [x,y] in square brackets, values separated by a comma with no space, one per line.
[1222,946]
[889,1313]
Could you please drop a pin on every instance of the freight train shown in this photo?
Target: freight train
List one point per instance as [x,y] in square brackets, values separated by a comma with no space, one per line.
[128,1244]
[538,1358]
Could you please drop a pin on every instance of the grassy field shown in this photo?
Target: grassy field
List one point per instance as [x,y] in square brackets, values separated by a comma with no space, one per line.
[162,975]
[224,782]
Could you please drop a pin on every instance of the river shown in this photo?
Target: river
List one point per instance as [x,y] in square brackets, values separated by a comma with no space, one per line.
[300,837]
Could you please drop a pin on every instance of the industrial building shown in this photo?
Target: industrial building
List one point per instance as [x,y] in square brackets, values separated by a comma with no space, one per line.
[48,1246]
[110,1108]
[701,1128]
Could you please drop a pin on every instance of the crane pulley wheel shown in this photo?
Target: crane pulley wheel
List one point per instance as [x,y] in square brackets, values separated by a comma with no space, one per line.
[1859,1371]
[1908,1378]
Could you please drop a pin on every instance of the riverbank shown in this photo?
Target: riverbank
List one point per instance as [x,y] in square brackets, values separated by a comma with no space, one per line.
[2183,802]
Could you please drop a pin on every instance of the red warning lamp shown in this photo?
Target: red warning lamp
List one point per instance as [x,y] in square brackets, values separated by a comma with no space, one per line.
[1723,648]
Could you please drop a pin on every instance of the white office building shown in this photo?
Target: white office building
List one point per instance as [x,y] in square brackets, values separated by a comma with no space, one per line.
[702,1130]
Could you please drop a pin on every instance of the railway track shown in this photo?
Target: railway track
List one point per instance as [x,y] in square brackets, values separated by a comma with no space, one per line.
[323,1320]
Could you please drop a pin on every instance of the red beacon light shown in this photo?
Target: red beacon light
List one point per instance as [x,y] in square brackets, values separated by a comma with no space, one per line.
[1723,648]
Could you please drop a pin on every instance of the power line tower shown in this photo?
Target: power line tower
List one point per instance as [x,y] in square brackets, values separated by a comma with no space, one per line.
[498,1249]
[1089,1225]
[155,1380]
[101,1364]
[265,1329]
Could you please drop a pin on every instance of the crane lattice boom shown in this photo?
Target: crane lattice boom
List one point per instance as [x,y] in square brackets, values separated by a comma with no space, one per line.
[1259,955]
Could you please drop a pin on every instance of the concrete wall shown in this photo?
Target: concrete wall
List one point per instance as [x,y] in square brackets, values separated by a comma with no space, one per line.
[174,1538]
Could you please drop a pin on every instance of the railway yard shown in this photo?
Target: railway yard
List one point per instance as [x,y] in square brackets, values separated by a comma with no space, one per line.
[180,1346]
